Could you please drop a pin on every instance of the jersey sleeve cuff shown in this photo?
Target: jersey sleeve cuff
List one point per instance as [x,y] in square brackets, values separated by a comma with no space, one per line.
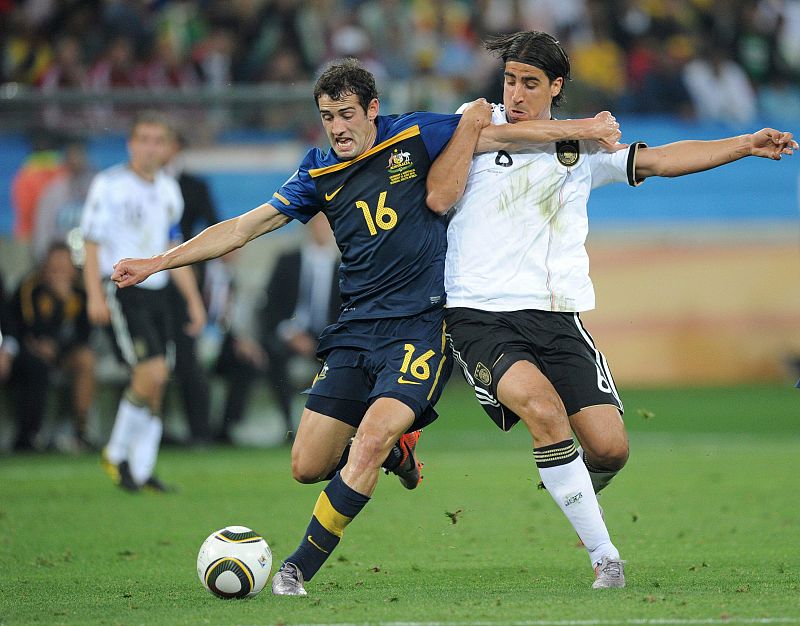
[278,202]
[631,167]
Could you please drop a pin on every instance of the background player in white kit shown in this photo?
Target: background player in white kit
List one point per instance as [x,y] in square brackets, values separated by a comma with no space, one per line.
[134,210]
[517,276]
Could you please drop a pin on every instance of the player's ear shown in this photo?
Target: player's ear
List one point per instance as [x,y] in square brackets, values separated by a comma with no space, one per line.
[372,109]
[555,86]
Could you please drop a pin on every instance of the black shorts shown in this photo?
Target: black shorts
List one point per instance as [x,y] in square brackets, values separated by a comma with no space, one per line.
[407,359]
[141,322]
[486,344]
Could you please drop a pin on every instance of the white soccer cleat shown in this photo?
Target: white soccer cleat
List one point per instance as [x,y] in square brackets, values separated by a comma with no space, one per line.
[288,581]
[609,573]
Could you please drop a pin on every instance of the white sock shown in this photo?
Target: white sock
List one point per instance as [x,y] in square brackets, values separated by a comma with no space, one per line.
[567,480]
[599,478]
[144,451]
[131,418]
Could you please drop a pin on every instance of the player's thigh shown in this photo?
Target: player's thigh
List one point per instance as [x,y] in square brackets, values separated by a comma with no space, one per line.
[318,445]
[411,366]
[528,393]
[578,370]
[601,432]
[140,322]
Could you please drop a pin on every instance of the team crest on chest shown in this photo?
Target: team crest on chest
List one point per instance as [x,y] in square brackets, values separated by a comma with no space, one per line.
[568,152]
[400,166]
[483,374]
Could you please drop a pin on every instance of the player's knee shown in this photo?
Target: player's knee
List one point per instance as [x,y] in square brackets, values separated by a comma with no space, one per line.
[545,418]
[369,449]
[306,469]
[610,456]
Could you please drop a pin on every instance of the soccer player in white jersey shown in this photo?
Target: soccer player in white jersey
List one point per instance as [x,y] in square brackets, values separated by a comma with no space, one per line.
[134,210]
[517,278]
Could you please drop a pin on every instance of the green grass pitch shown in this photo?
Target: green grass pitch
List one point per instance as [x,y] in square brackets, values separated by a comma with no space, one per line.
[706,513]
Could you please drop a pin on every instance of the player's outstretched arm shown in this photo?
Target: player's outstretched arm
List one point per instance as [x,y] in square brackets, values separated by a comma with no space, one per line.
[213,242]
[688,157]
[602,128]
[448,174]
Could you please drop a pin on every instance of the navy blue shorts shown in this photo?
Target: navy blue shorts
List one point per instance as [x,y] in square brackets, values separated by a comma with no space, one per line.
[407,359]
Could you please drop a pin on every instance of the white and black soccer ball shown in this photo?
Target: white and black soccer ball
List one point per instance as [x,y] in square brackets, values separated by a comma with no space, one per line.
[234,562]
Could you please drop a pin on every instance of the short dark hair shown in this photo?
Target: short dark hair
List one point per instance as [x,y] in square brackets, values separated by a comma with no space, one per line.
[152,117]
[345,77]
[535,48]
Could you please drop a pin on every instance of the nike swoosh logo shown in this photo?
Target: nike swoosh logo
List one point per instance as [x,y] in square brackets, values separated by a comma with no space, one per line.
[317,546]
[330,196]
[403,381]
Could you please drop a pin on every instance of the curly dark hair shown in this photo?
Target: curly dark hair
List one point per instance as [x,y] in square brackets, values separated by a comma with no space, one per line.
[344,77]
[535,48]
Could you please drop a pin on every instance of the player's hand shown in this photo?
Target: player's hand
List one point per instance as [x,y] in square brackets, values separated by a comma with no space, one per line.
[604,129]
[303,344]
[97,310]
[128,272]
[44,348]
[5,365]
[250,352]
[197,318]
[478,112]
[772,144]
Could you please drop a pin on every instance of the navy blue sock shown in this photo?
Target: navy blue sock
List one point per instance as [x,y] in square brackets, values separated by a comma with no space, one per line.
[336,506]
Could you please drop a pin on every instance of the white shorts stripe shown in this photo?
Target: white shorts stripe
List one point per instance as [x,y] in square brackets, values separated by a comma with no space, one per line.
[461,362]
[603,371]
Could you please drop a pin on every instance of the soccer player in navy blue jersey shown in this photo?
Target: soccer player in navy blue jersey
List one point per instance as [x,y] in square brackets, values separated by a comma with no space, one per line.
[385,360]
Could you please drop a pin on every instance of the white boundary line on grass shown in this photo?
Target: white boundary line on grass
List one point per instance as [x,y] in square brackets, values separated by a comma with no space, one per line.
[588,622]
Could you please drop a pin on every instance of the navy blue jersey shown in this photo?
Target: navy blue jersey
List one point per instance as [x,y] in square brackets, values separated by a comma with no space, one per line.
[393,247]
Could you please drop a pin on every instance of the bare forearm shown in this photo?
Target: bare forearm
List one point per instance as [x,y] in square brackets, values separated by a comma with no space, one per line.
[221,238]
[516,136]
[688,157]
[447,177]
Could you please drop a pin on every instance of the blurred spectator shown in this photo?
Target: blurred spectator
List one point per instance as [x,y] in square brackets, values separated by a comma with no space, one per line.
[26,53]
[242,360]
[214,57]
[598,67]
[190,376]
[167,68]
[47,331]
[302,298]
[117,66]
[67,69]
[58,211]
[719,88]
[29,183]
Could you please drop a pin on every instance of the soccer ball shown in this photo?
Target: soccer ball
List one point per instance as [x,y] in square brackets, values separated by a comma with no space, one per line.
[234,562]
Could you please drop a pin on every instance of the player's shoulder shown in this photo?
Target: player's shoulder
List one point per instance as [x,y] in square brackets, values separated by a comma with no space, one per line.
[115,173]
[395,124]
[167,180]
[316,158]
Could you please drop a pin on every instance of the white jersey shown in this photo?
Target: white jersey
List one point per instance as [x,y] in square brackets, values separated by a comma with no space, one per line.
[128,216]
[516,240]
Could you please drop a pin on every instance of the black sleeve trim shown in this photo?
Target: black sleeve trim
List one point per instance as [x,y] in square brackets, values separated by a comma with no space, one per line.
[631,167]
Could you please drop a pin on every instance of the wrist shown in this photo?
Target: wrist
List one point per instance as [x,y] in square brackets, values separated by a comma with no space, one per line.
[745,144]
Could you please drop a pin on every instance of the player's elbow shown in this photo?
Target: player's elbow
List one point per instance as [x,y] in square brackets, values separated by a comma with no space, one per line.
[438,202]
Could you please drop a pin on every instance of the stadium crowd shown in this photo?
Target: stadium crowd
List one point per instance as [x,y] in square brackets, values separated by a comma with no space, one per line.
[719,59]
